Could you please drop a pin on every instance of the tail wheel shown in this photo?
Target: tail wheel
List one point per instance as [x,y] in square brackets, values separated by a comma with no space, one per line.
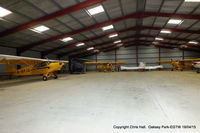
[198,70]
[45,78]
[55,77]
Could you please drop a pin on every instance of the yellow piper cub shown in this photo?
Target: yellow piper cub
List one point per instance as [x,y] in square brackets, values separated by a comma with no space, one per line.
[105,66]
[180,64]
[31,66]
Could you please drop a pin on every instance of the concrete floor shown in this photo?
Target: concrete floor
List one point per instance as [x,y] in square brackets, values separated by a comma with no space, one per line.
[97,102]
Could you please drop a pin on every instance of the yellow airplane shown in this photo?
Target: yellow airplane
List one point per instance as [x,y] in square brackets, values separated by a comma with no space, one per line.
[104,66]
[180,64]
[31,66]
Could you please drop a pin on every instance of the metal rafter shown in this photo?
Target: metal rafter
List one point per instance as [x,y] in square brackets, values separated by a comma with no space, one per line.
[133,15]
[51,16]
[134,36]
[129,29]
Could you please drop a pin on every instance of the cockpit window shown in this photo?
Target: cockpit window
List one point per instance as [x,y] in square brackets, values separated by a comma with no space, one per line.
[40,65]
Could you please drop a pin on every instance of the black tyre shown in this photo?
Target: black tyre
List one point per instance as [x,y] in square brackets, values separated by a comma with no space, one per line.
[198,70]
[55,77]
[45,78]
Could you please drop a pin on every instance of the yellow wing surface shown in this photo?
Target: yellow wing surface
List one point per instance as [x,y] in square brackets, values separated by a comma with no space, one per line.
[121,62]
[185,60]
[95,63]
[102,63]
[190,60]
[20,60]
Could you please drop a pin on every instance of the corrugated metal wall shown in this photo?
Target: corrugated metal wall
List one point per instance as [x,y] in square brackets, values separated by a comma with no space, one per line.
[148,54]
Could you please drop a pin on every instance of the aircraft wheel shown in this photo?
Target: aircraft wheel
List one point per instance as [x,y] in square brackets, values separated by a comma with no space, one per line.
[45,78]
[172,69]
[181,69]
[55,77]
[198,70]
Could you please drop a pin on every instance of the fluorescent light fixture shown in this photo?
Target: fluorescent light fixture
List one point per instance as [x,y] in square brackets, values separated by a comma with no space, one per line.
[175,21]
[80,44]
[165,31]
[40,29]
[4,12]
[107,27]
[113,35]
[119,45]
[192,0]
[96,50]
[96,10]
[66,39]
[91,48]
[183,46]
[158,38]
[193,42]
[117,41]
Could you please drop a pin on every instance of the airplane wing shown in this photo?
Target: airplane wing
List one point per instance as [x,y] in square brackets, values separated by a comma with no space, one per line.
[153,67]
[164,61]
[190,60]
[95,63]
[19,60]
[120,62]
[142,68]
[131,68]
[101,63]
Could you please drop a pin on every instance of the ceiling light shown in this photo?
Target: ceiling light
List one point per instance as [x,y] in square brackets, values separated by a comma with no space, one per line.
[119,45]
[96,50]
[175,21]
[165,31]
[113,35]
[80,44]
[4,12]
[66,39]
[96,10]
[107,27]
[158,38]
[40,29]
[192,0]
[193,42]
[117,41]
[91,48]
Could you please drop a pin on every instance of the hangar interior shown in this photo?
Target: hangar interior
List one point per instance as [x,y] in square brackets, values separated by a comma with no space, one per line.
[132,31]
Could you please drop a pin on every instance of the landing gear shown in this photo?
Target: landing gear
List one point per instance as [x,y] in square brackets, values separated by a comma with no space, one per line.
[55,76]
[172,69]
[45,78]
[198,70]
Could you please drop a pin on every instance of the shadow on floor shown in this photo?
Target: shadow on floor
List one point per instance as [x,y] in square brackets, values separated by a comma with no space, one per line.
[19,81]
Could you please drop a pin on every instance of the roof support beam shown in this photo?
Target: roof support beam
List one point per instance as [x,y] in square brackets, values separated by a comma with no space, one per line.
[102,44]
[51,16]
[92,39]
[137,15]
[133,28]
[135,36]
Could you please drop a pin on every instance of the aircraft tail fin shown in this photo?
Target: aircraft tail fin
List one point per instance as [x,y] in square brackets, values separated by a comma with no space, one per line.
[10,69]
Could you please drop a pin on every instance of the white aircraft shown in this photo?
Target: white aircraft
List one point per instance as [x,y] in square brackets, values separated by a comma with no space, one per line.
[142,66]
[197,66]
